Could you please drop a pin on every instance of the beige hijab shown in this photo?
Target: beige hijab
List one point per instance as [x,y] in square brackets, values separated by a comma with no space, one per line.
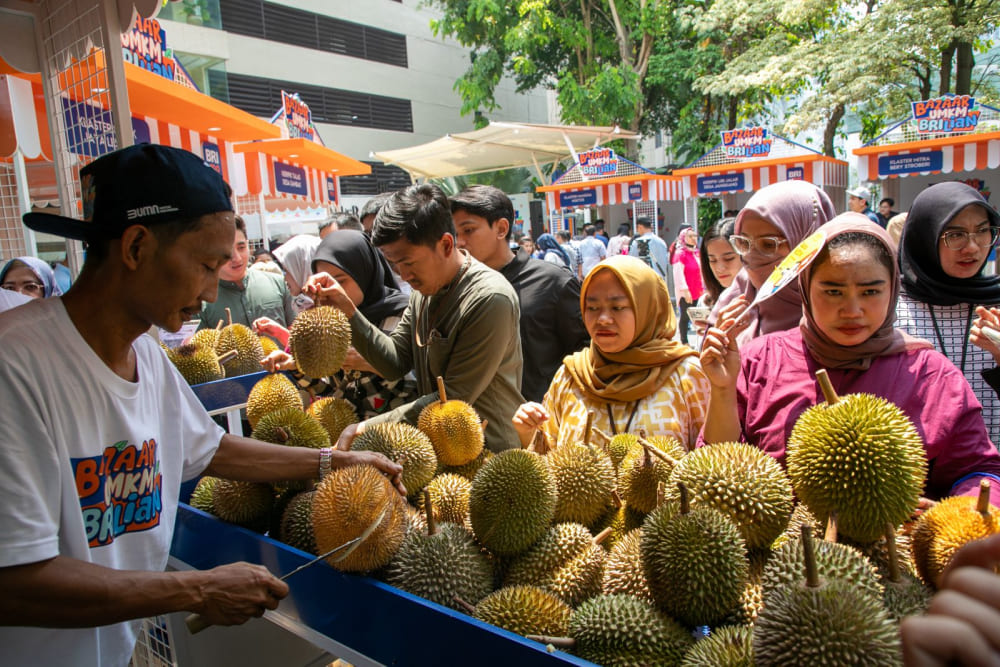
[640,369]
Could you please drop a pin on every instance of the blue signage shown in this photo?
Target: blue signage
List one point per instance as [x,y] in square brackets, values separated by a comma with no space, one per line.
[635,192]
[795,174]
[578,198]
[911,163]
[290,180]
[724,183]
[212,156]
[90,130]
[331,188]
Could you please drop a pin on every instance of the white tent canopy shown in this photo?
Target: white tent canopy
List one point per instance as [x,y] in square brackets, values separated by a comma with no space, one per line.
[499,146]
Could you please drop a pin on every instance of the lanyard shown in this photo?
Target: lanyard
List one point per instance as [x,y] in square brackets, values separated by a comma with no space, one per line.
[628,424]
[965,339]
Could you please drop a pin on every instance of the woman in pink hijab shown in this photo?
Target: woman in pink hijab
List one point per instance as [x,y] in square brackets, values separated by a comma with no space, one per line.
[773,222]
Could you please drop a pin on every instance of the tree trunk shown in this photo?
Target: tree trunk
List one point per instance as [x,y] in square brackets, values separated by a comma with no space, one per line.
[830,132]
[944,85]
[963,70]
[733,106]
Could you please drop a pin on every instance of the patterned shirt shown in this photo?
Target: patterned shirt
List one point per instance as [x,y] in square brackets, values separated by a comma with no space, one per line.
[677,408]
[914,317]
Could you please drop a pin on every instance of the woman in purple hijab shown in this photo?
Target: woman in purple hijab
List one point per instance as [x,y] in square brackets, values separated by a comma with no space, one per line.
[773,222]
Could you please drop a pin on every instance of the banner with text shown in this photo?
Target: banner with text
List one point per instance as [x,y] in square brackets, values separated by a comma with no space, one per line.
[598,162]
[953,114]
[290,180]
[708,185]
[577,198]
[910,163]
[145,46]
[747,142]
[297,117]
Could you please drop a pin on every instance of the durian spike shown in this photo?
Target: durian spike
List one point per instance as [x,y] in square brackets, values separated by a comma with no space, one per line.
[586,429]
[464,605]
[229,316]
[441,392]
[983,503]
[890,541]
[616,499]
[826,387]
[558,642]
[432,528]
[685,499]
[809,556]
[483,425]
[603,535]
[831,528]
[227,357]
[282,434]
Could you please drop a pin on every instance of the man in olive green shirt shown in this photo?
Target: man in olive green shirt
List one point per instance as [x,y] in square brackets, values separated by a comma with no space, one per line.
[249,295]
[461,323]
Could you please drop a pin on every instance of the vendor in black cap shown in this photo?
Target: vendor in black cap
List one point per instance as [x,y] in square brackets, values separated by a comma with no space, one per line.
[99,430]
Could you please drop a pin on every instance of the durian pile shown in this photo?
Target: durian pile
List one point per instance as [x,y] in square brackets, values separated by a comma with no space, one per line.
[629,550]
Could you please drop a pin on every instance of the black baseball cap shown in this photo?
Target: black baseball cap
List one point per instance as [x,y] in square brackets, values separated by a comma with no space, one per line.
[143,184]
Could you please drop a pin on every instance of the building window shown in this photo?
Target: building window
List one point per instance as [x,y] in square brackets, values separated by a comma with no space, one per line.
[384,178]
[288,25]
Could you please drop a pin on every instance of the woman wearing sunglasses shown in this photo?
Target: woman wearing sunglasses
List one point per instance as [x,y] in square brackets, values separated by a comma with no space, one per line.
[945,244]
[773,222]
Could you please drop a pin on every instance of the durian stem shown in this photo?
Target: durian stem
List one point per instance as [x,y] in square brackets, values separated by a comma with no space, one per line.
[441,391]
[464,605]
[657,452]
[661,492]
[558,642]
[601,433]
[890,540]
[831,528]
[218,327]
[229,316]
[826,387]
[539,444]
[281,434]
[227,357]
[809,555]
[432,528]
[616,499]
[603,535]
[484,424]
[685,499]
[587,428]
[983,503]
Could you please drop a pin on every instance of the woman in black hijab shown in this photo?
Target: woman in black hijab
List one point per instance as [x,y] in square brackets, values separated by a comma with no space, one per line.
[351,259]
[946,242]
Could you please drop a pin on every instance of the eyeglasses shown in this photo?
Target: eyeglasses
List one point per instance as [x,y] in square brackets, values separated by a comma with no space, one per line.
[25,288]
[956,239]
[765,245]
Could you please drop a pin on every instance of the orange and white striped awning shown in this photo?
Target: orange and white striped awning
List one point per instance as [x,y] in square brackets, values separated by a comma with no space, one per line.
[606,192]
[964,152]
[715,180]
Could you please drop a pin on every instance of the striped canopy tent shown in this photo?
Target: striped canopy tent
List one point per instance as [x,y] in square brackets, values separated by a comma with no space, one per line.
[625,183]
[717,173]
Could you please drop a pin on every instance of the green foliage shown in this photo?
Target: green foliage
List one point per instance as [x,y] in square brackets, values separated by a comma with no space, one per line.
[709,213]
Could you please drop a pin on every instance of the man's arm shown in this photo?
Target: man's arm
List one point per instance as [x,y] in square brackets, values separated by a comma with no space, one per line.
[389,354]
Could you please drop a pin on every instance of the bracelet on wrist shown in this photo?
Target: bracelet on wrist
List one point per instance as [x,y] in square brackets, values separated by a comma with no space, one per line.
[325,461]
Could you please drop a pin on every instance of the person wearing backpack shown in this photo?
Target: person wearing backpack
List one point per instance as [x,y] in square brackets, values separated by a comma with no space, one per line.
[649,247]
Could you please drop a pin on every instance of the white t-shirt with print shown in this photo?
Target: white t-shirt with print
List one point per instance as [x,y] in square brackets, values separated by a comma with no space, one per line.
[90,467]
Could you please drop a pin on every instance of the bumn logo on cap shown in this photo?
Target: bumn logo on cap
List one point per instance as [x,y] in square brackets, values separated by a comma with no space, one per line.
[152,209]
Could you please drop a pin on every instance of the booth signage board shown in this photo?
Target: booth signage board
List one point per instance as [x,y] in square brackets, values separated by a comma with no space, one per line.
[708,185]
[90,130]
[910,163]
[145,46]
[601,162]
[795,174]
[290,180]
[747,142]
[212,156]
[297,117]
[634,192]
[577,198]
[954,114]
[331,188]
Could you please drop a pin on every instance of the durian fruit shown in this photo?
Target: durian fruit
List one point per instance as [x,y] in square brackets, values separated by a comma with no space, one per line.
[405,445]
[623,630]
[741,481]
[623,569]
[270,393]
[351,501]
[512,501]
[449,495]
[454,428]
[621,519]
[248,349]
[566,561]
[525,610]
[695,561]
[197,364]
[415,520]
[904,595]
[833,561]
[291,427]
[644,470]
[945,527]
[469,470]
[245,503]
[584,479]
[620,446]
[441,563]
[730,646]
[335,414]
[859,457]
[319,339]
[267,344]
[201,497]
[817,621]
[206,337]
[296,523]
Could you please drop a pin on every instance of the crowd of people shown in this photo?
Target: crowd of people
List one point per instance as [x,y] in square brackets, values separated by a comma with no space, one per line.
[534,334]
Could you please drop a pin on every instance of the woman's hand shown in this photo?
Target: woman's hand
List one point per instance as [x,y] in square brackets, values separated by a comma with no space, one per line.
[324,290]
[278,361]
[989,318]
[268,327]
[528,418]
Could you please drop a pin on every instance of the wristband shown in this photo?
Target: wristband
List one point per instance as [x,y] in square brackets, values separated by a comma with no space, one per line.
[325,461]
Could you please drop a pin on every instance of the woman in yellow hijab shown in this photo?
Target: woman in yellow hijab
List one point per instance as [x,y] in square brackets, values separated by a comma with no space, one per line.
[634,374]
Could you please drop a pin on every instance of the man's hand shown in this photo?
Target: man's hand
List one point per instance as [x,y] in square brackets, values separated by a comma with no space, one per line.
[233,594]
[389,468]
[278,361]
[326,291]
[355,362]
